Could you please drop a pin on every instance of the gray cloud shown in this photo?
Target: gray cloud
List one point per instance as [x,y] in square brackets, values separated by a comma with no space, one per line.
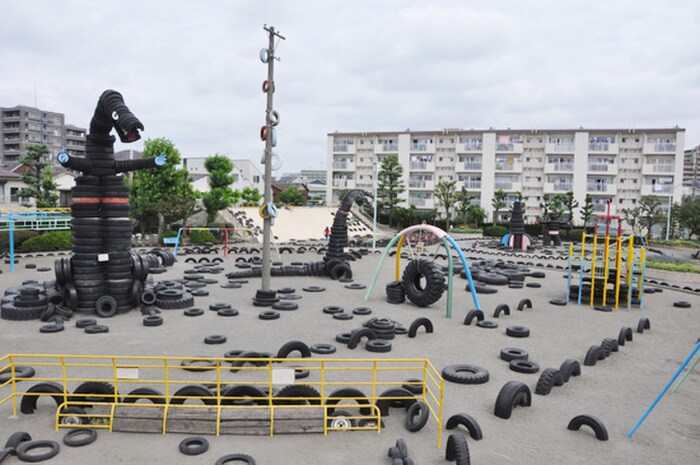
[191,70]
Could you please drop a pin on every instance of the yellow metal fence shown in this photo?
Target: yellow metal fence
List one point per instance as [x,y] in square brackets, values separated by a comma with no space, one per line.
[167,375]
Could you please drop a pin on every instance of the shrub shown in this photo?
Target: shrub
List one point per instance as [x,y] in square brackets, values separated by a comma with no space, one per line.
[495,231]
[682,267]
[575,235]
[53,240]
[533,230]
[17,236]
[201,237]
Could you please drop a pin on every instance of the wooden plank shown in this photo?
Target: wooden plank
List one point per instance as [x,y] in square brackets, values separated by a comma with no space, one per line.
[146,413]
[137,425]
[190,426]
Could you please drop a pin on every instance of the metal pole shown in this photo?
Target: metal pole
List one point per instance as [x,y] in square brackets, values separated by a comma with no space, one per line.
[265,296]
[374,194]
[668,214]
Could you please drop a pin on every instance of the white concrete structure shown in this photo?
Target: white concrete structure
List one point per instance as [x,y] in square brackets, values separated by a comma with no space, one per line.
[245,174]
[616,164]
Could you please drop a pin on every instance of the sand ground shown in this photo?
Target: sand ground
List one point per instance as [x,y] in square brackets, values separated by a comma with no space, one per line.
[617,390]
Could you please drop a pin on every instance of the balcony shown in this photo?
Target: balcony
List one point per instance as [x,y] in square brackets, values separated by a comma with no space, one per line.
[658,169]
[659,147]
[601,188]
[468,166]
[656,189]
[14,129]
[603,147]
[423,147]
[469,147]
[557,187]
[386,148]
[421,202]
[423,166]
[515,167]
[343,148]
[471,185]
[421,185]
[550,147]
[344,166]
[7,117]
[344,183]
[508,186]
[559,168]
[603,168]
[510,147]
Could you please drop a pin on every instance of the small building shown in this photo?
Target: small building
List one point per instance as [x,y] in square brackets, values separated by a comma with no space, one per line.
[10,184]
[278,187]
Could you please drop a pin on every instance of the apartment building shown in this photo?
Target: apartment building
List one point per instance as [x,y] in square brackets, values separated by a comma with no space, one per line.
[619,165]
[23,126]
[691,172]
[245,174]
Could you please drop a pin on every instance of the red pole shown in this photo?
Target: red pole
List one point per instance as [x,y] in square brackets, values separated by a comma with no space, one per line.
[226,244]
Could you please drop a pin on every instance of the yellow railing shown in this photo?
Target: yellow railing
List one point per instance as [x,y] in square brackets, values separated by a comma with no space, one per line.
[168,374]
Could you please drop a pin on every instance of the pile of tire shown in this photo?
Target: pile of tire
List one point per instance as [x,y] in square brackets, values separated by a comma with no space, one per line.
[336,264]
[28,302]
[395,293]
[171,295]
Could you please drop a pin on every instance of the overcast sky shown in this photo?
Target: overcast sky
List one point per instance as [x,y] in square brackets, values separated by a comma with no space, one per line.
[190,69]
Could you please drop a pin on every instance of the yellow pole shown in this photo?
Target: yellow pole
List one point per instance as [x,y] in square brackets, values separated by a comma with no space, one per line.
[398,257]
[618,270]
[630,259]
[593,264]
[583,244]
[607,268]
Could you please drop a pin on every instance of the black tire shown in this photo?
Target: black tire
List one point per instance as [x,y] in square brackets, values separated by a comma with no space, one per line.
[681,304]
[488,324]
[198,365]
[29,399]
[457,449]
[96,392]
[414,386]
[501,308]
[106,306]
[569,368]
[215,339]
[269,315]
[601,433]
[306,393]
[417,416]
[340,271]
[322,349]
[353,394]
[417,323]
[235,458]
[358,334]
[643,324]
[610,345]
[16,439]
[194,445]
[420,269]
[80,437]
[193,312]
[512,394]
[144,393]
[378,345]
[21,372]
[250,394]
[594,353]
[193,390]
[23,451]
[514,353]
[292,346]
[465,374]
[524,303]
[548,379]
[473,313]
[96,329]
[625,335]
[517,331]
[383,403]
[468,422]
[524,366]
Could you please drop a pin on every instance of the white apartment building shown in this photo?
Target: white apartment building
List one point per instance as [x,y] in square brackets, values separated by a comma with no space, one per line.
[619,165]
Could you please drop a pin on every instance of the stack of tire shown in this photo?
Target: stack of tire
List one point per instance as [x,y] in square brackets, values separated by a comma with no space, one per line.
[336,264]
[395,293]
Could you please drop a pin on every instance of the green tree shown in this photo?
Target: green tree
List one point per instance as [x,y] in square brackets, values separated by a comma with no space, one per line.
[688,214]
[475,215]
[587,210]
[570,203]
[447,196]
[250,196]
[38,178]
[650,212]
[292,196]
[220,194]
[390,185]
[164,193]
[464,199]
[498,202]
[631,216]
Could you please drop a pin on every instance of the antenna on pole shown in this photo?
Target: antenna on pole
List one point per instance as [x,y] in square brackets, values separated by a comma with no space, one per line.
[266,296]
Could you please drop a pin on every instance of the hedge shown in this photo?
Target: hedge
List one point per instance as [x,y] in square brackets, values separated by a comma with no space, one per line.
[53,240]
[495,231]
[17,236]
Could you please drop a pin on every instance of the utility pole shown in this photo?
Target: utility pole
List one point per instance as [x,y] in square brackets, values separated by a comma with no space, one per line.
[266,296]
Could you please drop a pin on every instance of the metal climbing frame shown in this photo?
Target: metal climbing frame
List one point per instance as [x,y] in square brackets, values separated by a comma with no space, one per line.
[169,374]
[446,240]
[42,219]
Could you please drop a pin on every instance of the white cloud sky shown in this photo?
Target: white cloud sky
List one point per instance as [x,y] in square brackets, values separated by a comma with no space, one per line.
[190,69]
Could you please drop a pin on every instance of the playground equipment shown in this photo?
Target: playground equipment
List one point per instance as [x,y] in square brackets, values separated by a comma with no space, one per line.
[516,238]
[607,270]
[197,395]
[102,268]
[446,241]
[41,219]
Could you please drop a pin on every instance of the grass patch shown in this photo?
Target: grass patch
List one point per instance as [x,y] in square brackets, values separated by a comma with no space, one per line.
[676,243]
[466,230]
[679,267]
